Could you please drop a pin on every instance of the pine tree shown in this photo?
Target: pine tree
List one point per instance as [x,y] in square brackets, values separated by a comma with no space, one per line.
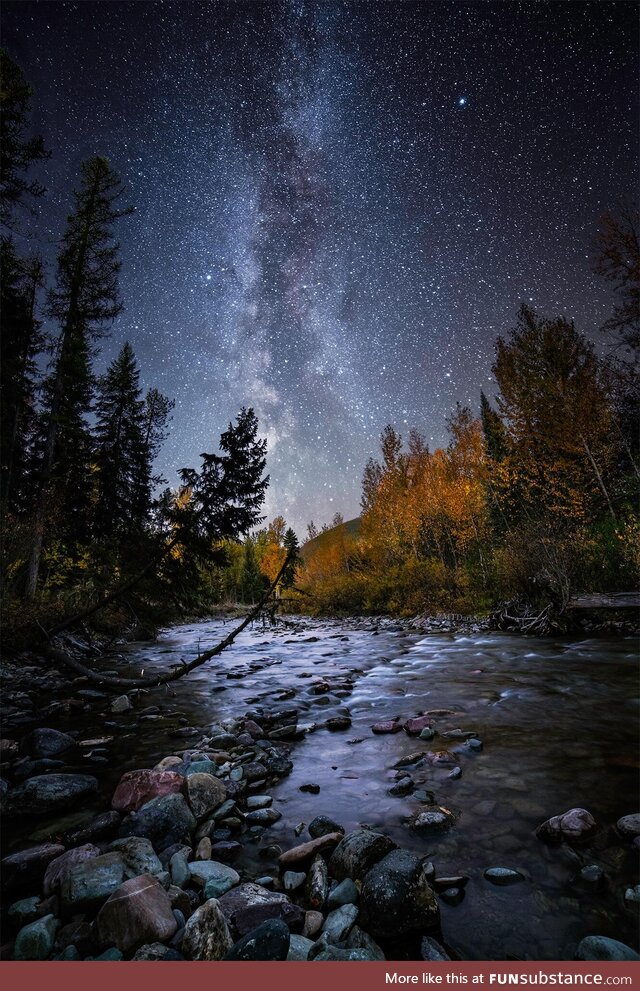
[124,469]
[17,151]
[252,582]
[292,548]
[84,299]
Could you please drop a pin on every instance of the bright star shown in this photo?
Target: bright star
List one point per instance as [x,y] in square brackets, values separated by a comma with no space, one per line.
[462,102]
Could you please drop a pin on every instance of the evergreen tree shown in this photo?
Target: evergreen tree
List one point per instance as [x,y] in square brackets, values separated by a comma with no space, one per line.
[252,582]
[17,151]
[292,548]
[156,416]
[493,430]
[122,456]
[84,299]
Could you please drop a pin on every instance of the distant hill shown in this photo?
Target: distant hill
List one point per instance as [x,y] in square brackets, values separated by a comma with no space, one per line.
[324,540]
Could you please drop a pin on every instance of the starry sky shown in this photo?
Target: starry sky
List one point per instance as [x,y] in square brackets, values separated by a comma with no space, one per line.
[339,205]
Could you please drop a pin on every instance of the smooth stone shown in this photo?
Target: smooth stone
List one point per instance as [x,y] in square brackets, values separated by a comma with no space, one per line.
[164,821]
[293,880]
[629,825]
[205,793]
[46,742]
[338,923]
[474,744]
[322,826]
[220,881]
[59,867]
[262,817]
[503,875]
[248,905]
[312,923]
[430,949]
[136,788]
[632,898]
[206,934]
[23,911]
[357,852]
[413,727]
[46,793]
[452,896]
[268,941]
[311,789]
[203,849]
[179,870]
[167,763]
[592,875]
[305,851]
[258,802]
[604,948]
[433,820]
[337,723]
[386,726]
[91,882]
[201,767]
[345,893]
[427,733]
[455,773]
[574,826]
[397,898]
[138,912]
[29,865]
[138,854]
[35,940]
[299,947]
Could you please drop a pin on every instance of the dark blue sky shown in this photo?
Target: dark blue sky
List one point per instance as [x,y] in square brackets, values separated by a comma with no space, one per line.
[339,206]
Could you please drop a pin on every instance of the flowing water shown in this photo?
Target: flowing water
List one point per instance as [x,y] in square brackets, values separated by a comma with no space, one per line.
[559,725]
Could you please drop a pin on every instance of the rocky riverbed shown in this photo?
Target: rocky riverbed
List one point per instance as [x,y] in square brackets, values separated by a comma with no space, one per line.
[327,791]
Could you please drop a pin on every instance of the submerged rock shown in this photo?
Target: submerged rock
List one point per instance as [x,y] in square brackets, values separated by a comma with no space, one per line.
[574,826]
[396,897]
[46,742]
[432,820]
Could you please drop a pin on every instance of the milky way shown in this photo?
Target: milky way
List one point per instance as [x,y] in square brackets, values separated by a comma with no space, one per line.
[338,206]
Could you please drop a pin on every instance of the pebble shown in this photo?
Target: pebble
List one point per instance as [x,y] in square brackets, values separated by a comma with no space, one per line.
[345,893]
[503,875]
[293,880]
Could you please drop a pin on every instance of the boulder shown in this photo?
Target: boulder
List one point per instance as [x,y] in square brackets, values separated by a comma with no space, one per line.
[164,821]
[248,905]
[35,941]
[300,854]
[136,788]
[216,878]
[604,948]
[59,867]
[204,793]
[268,941]
[46,742]
[27,866]
[138,912]
[138,855]
[46,793]
[206,934]
[357,852]
[90,883]
[629,825]
[322,826]
[396,897]
[574,826]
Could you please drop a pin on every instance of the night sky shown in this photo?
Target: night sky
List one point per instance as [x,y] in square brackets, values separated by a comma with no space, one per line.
[339,206]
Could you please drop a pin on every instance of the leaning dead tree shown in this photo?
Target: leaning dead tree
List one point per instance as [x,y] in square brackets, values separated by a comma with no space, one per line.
[176,671]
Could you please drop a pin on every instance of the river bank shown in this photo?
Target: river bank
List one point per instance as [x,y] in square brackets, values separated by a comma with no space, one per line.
[555,728]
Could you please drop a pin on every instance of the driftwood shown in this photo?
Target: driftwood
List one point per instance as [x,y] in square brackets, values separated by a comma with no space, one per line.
[519,615]
[615,600]
[178,671]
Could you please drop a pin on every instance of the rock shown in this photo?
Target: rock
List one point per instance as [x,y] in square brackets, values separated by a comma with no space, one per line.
[204,793]
[452,896]
[8,750]
[167,763]
[138,912]
[121,704]
[337,723]
[503,875]
[317,883]
[136,788]
[430,949]
[299,947]
[415,726]
[138,855]
[358,939]
[46,793]
[225,850]
[268,941]
[312,923]
[29,865]
[344,893]
[629,825]
[91,882]
[59,867]
[428,733]
[632,899]
[248,905]
[330,952]
[102,827]
[215,878]
[35,941]
[310,788]
[23,911]
[432,820]
[386,726]
[262,817]
[592,876]
[111,954]
[443,882]
[338,923]
[574,826]
[322,826]
[455,773]
[46,742]
[151,951]
[293,880]
[200,767]
[604,948]
[473,744]
[179,869]
[396,897]
[278,766]
[404,786]
[300,854]
[206,934]
[203,850]
[357,852]
[259,801]
[164,821]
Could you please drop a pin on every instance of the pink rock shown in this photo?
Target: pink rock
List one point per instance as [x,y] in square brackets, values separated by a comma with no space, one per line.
[138,912]
[574,826]
[388,726]
[59,867]
[298,854]
[415,726]
[136,788]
